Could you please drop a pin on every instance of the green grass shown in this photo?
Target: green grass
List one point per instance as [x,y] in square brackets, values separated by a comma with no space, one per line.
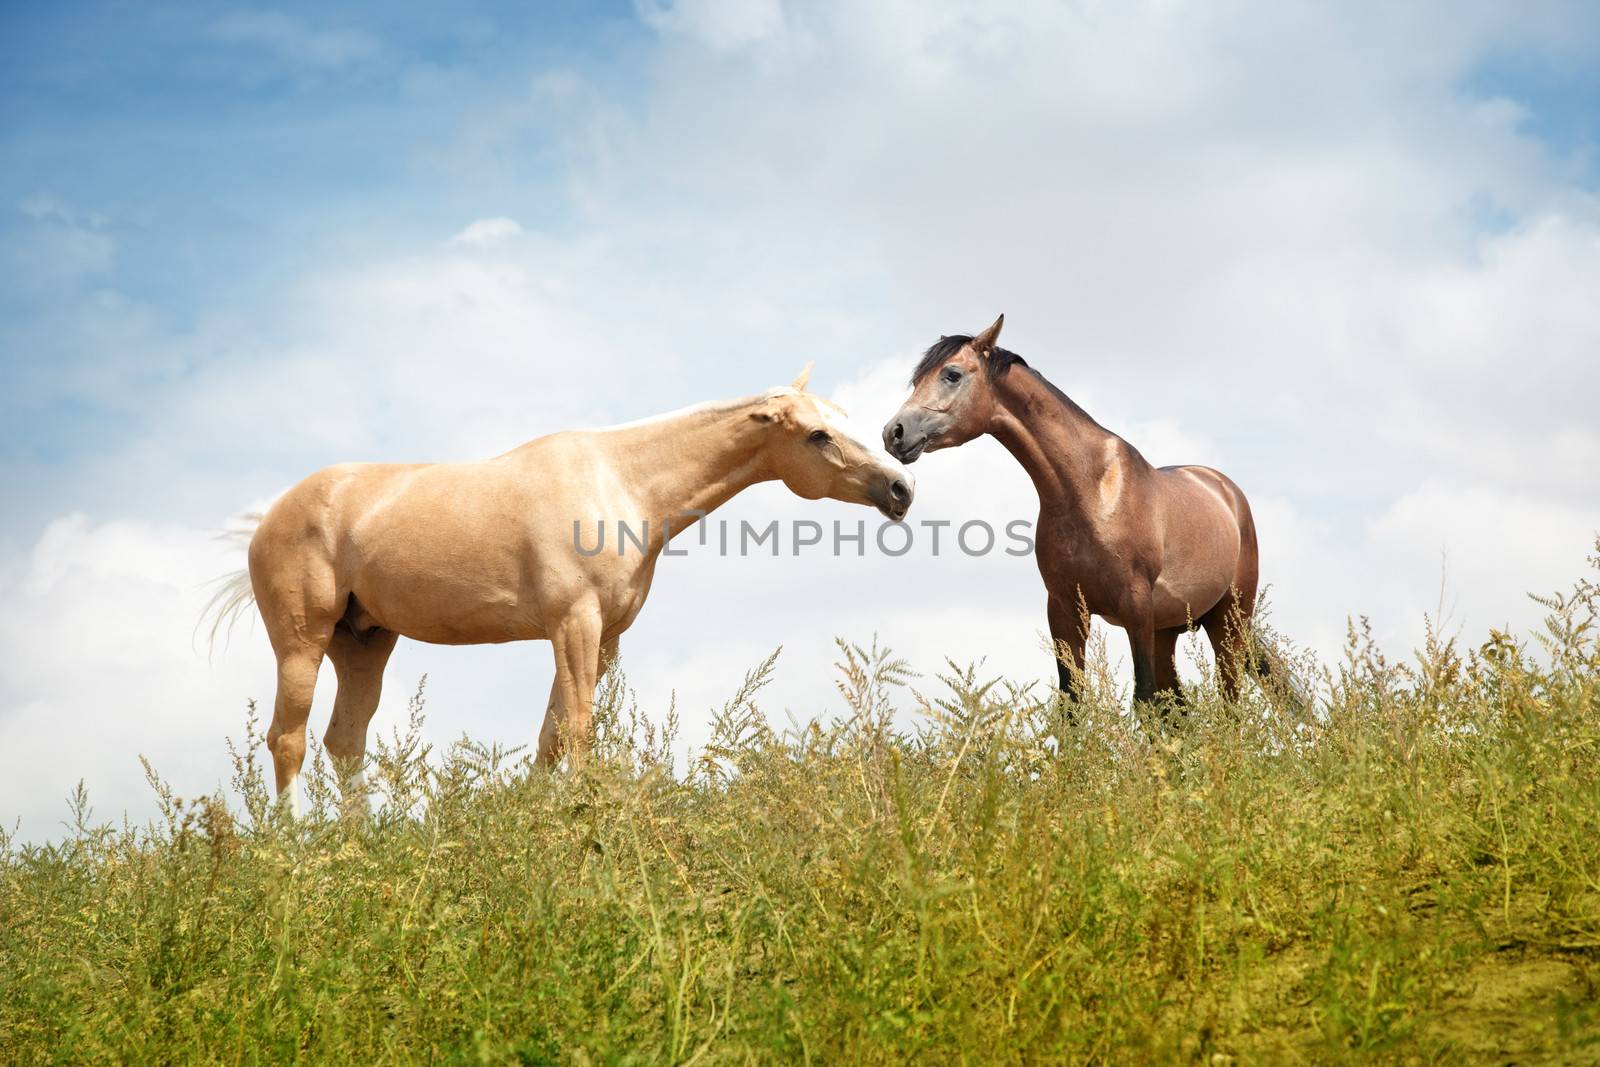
[1408,873]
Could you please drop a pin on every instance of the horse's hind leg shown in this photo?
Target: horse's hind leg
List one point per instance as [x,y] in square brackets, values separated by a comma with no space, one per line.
[359,663]
[299,610]
[1166,664]
[1227,625]
[286,738]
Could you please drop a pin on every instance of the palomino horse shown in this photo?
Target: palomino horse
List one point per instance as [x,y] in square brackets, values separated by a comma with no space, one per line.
[359,555]
[1155,551]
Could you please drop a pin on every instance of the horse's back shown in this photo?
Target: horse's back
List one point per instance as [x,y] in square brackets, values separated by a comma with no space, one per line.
[314,511]
[431,551]
[345,514]
[1184,480]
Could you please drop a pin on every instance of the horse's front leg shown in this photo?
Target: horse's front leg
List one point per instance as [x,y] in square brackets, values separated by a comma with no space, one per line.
[1069,632]
[1141,627]
[550,739]
[569,717]
[550,731]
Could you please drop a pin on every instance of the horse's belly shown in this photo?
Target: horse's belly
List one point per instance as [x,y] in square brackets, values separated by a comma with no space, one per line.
[445,591]
[1180,599]
[479,594]
[474,558]
[445,609]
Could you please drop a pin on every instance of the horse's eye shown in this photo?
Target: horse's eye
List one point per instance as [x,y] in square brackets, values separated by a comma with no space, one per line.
[952,375]
[820,437]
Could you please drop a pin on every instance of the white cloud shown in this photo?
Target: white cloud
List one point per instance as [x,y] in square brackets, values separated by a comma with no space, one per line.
[294,40]
[1488,549]
[59,249]
[483,232]
[46,207]
[102,666]
[722,25]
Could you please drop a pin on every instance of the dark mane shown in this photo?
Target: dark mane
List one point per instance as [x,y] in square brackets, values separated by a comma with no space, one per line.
[999,362]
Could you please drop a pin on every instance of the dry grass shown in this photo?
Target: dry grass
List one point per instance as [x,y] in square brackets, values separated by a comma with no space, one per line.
[1410,872]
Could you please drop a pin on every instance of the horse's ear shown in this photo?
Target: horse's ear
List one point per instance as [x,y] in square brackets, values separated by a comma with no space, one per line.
[800,380]
[984,343]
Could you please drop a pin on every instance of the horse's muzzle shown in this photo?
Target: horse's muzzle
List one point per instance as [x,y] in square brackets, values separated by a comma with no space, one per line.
[892,497]
[905,440]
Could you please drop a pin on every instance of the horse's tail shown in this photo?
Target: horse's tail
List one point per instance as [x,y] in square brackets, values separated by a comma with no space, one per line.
[232,595]
[1265,659]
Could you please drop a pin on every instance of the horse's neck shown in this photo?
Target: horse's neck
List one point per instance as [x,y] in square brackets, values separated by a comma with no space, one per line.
[1064,451]
[696,461]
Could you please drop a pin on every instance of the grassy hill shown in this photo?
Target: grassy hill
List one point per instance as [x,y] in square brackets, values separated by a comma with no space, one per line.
[1408,872]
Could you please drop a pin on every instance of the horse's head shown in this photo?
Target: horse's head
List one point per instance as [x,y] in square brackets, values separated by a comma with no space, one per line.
[813,448]
[952,395]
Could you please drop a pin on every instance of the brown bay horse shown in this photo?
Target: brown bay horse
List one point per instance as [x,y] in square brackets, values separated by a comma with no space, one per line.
[1153,550]
[356,556]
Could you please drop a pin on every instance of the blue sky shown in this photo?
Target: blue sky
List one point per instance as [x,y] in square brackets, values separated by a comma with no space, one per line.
[1347,254]
[222,152]
[1560,91]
